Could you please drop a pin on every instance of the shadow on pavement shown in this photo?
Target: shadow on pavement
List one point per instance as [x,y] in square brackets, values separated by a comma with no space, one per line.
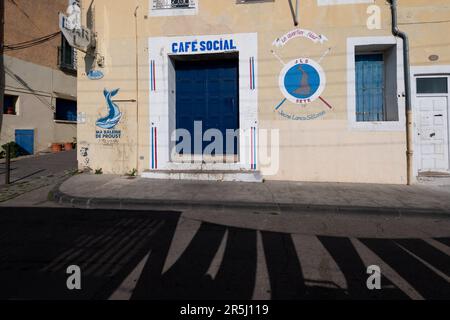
[28,176]
[38,244]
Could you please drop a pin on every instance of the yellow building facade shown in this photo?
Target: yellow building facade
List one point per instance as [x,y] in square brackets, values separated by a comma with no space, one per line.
[313,90]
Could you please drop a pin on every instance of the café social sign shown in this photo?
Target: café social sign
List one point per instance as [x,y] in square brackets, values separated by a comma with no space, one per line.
[203,46]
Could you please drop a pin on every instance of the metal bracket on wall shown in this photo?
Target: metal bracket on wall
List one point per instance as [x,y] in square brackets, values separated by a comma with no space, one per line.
[100,61]
[294,11]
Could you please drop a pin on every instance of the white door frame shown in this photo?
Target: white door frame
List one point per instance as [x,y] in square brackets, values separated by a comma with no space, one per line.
[426,72]
[162,105]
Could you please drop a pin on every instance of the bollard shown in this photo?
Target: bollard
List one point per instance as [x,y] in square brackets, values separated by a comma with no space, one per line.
[7,164]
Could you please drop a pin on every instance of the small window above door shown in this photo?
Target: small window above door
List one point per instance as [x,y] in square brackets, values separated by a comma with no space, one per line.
[432,85]
[173,7]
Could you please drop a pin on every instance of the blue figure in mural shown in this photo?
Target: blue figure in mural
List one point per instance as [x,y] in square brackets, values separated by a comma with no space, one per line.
[302,81]
[114,115]
[304,86]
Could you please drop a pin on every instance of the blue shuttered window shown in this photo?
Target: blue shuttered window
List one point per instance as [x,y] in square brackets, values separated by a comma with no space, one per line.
[370,87]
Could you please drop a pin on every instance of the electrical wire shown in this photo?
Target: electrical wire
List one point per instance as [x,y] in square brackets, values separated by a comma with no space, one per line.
[31,43]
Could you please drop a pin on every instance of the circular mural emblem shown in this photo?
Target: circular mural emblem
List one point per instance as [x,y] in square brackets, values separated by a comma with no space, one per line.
[302,81]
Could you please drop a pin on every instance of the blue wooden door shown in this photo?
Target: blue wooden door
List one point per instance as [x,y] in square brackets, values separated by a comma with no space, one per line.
[25,139]
[207,91]
[370,87]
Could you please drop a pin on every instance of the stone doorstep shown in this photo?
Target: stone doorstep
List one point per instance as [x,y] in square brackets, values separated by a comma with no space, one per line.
[433,174]
[434,178]
[205,175]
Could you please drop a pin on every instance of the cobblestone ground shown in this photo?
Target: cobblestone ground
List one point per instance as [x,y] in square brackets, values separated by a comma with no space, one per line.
[17,189]
[37,172]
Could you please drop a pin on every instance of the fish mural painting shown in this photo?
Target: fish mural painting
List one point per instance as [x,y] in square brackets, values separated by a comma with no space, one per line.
[114,114]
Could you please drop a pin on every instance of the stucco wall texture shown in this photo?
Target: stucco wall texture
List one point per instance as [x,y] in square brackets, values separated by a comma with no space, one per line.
[325,149]
[33,75]
[28,19]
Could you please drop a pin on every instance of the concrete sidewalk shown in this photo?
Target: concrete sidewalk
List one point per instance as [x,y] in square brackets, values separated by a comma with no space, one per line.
[109,191]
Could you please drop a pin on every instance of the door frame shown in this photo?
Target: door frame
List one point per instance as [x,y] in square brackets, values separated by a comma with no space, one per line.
[226,158]
[34,136]
[162,102]
[437,71]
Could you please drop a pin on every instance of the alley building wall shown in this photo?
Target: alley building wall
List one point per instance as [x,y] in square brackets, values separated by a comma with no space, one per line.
[34,78]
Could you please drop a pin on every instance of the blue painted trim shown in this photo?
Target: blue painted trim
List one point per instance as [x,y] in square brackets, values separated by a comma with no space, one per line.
[280,104]
[153,149]
[254,73]
[255,160]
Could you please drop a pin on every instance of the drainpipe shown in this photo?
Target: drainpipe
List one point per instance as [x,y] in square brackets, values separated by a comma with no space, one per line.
[407,71]
[137,88]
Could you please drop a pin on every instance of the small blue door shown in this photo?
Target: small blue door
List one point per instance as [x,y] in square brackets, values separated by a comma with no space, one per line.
[25,139]
[207,91]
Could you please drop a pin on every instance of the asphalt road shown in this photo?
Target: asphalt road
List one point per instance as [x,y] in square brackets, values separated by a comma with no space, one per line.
[167,255]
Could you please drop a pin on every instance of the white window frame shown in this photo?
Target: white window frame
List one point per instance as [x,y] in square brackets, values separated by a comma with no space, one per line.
[399,125]
[17,104]
[252,1]
[172,12]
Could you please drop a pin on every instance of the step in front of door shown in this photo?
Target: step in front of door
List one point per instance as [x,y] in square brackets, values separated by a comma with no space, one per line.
[205,175]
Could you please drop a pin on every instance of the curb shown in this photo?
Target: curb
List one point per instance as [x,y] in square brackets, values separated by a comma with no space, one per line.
[60,197]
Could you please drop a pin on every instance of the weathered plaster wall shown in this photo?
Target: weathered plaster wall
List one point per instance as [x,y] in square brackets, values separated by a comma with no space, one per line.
[37,88]
[33,74]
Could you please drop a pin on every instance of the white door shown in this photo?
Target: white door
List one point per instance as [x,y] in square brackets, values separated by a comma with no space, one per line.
[433,133]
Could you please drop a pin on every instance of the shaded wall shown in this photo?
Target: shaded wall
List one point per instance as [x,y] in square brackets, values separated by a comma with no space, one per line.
[33,74]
